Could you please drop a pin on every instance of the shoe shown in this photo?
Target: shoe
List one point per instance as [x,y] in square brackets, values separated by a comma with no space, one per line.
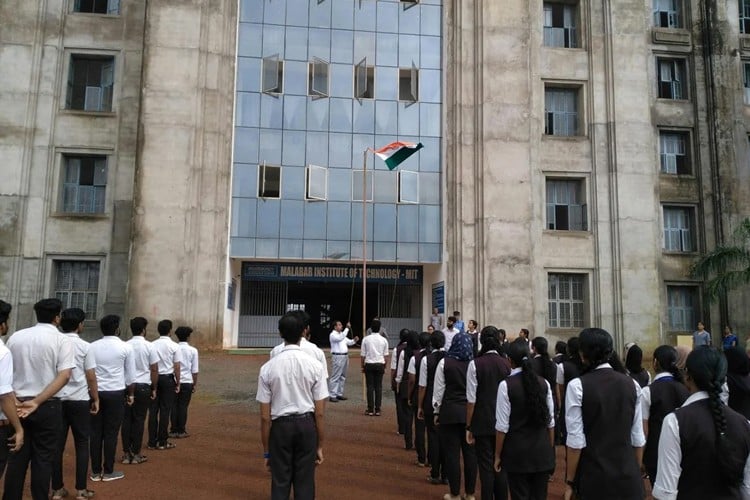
[59,494]
[84,494]
[342,398]
[127,458]
[151,446]
[166,446]
[448,496]
[333,400]
[183,435]
[173,435]
[138,459]
[470,497]
[377,413]
[419,464]
[96,476]
[113,476]
[369,413]
[434,480]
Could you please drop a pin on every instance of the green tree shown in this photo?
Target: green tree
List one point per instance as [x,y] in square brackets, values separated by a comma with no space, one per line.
[728,266]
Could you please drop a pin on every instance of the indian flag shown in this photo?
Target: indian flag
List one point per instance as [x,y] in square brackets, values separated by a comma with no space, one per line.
[396,152]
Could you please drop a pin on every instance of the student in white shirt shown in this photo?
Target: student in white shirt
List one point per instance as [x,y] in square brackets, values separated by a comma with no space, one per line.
[374,357]
[115,374]
[304,343]
[168,353]
[450,331]
[146,379]
[42,364]
[188,383]
[339,360]
[80,400]
[7,399]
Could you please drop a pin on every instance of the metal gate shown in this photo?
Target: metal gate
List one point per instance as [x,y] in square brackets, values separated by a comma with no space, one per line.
[262,303]
[400,306]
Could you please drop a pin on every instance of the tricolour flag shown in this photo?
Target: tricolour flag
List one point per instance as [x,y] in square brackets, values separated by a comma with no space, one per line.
[396,152]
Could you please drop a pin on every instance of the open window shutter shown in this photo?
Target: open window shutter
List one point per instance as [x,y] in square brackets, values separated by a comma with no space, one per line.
[414,82]
[360,79]
[320,77]
[409,4]
[113,7]
[108,76]
[270,82]
[69,95]
[262,180]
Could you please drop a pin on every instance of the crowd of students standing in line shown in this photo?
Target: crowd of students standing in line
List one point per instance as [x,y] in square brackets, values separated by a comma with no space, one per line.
[52,381]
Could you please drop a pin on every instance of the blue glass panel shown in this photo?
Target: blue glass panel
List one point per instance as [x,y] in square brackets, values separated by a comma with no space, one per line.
[384,252]
[429,156]
[380,141]
[248,109]
[315,220]
[339,221]
[429,252]
[361,142]
[295,77]
[320,14]
[342,47]
[270,111]
[270,147]
[387,49]
[429,119]
[295,112]
[364,15]
[429,187]
[317,149]
[274,12]
[268,218]
[320,44]
[408,223]
[250,40]
[292,213]
[245,181]
[386,116]
[408,252]
[290,249]
[408,119]
[343,14]
[314,249]
[429,85]
[293,183]
[408,20]
[338,250]
[273,40]
[431,20]
[408,50]
[357,225]
[340,151]
[364,117]
[340,184]
[243,247]
[243,217]
[246,145]
[429,223]
[296,44]
[296,12]
[431,2]
[266,248]
[317,114]
[388,17]
[341,80]
[386,83]
[294,148]
[385,222]
[248,74]
[357,250]
[341,115]
[385,185]
[430,52]
[364,46]
[251,11]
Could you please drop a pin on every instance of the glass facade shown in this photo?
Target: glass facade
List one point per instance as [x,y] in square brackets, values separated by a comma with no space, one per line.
[312,116]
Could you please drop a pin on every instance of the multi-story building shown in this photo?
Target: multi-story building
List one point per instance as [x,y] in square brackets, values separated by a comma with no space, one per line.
[578,157]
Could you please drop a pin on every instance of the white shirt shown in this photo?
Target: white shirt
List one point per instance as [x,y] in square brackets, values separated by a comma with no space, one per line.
[291,382]
[340,341]
[423,369]
[400,366]
[471,379]
[670,457]
[502,408]
[574,415]
[6,373]
[394,358]
[188,363]
[449,334]
[77,389]
[560,374]
[115,365]
[144,355]
[308,347]
[374,349]
[168,352]
[438,388]
[646,396]
[39,354]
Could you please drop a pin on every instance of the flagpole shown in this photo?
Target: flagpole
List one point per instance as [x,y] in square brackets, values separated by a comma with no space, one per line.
[364,243]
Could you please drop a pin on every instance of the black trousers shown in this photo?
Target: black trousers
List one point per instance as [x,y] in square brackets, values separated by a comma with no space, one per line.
[419,436]
[408,416]
[6,431]
[134,420]
[453,445]
[494,484]
[41,433]
[531,486]
[76,417]
[434,454]
[180,409]
[399,414]
[105,426]
[293,446]
[161,407]
[374,382]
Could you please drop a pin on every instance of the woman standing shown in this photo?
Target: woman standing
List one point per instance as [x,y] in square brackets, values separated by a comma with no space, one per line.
[634,365]
[402,386]
[738,380]
[704,446]
[545,367]
[525,428]
[728,340]
[665,394]
[569,369]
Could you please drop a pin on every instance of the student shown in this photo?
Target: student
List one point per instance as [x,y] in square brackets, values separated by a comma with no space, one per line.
[525,446]
[738,380]
[340,343]
[571,368]
[304,343]
[80,400]
[704,447]
[605,430]
[168,353]
[561,351]
[524,334]
[377,327]
[13,432]
[374,355]
[425,412]
[665,394]
[402,386]
[728,340]
[545,368]
[634,366]
[188,383]
[474,334]
[449,402]
[395,355]
[701,336]
[419,425]
[483,376]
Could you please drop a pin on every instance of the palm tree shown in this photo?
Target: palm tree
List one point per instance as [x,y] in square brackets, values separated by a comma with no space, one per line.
[728,266]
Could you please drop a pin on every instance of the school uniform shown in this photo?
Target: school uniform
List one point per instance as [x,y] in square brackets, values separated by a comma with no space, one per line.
[419,425]
[603,417]
[688,465]
[643,377]
[400,412]
[528,455]
[662,397]
[188,371]
[738,387]
[374,351]
[427,369]
[482,380]
[547,369]
[308,347]
[566,371]
[339,362]
[402,383]
[39,354]
[134,419]
[6,387]
[168,353]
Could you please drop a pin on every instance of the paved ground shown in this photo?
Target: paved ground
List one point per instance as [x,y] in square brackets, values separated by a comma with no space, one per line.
[364,457]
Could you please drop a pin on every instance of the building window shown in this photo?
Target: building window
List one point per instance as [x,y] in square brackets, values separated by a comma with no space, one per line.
[744,16]
[567,300]
[317,81]
[561,111]
[269,181]
[273,75]
[560,25]
[668,13]
[408,84]
[566,205]
[90,83]
[359,183]
[97,6]
[364,80]
[408,187]
[674,153]
[316,183]
[84,184]
[679,229]
[682,308]
[672,78]
[77,285]
[746,81]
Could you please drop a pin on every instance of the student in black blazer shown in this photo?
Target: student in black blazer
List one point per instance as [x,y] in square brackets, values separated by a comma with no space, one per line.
[738,380]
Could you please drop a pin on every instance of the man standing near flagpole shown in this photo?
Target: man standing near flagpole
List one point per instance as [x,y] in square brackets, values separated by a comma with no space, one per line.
[340,343]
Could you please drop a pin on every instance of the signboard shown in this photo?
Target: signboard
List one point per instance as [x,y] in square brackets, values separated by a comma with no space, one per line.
[337,273]
[438,296]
